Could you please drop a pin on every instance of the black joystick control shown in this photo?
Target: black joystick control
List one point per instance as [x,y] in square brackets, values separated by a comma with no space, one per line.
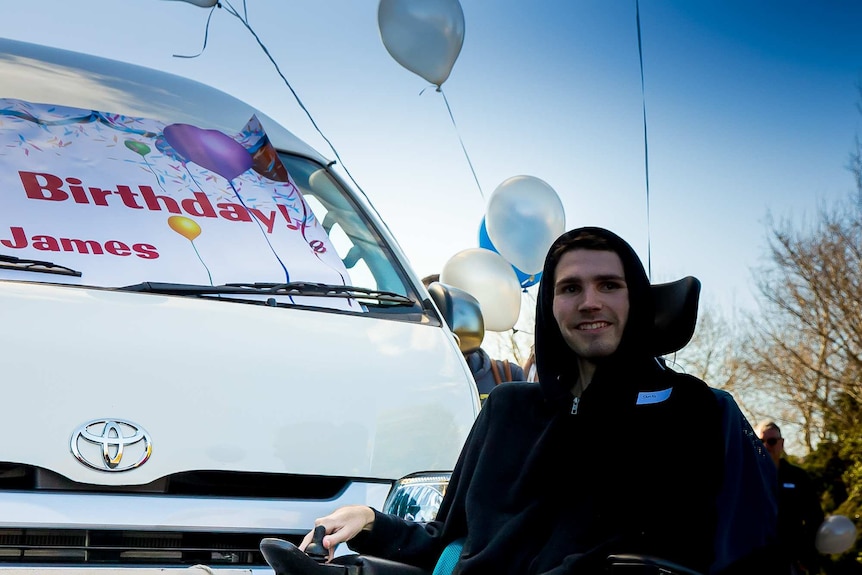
[285,558]
[315,549]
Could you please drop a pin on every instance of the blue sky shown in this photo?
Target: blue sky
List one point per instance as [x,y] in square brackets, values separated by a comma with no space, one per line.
[751,108]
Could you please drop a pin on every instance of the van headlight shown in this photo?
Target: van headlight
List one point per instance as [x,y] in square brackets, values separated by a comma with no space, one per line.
[417,497]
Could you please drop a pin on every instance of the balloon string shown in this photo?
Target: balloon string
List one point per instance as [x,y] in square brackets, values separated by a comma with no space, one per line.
[646,146]
[189,172]
[262,231]
[462,142]
[155,175]
[206,36]
[245,23]
[209,275]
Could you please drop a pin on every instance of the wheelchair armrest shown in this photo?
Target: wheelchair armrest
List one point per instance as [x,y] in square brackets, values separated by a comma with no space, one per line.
[633,564]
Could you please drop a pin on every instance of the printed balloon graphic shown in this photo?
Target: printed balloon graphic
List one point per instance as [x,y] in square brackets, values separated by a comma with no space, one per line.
[265,161]
[142,150]
[138,147]
[490,279]
[424,36]
[526,280]
[218,153]
[166,149]
[524,216]
[209,149]
[184,226]
[189,229]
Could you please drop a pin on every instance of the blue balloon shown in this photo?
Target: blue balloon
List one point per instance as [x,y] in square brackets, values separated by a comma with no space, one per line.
[526,280]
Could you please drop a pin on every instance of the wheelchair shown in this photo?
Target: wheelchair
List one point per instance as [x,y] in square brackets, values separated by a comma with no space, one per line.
[286,559]
[746,529]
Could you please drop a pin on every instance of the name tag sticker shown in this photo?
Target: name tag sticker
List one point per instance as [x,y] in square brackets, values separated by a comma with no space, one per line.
[648,397]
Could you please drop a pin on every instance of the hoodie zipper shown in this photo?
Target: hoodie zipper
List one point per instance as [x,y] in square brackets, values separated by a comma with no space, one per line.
[577,392]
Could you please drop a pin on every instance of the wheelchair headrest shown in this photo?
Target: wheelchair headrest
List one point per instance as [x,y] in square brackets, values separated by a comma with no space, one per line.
[675,314]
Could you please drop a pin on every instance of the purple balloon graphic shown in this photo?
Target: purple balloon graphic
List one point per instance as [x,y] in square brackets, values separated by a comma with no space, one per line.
[209,149]
[165,148]
[219,153]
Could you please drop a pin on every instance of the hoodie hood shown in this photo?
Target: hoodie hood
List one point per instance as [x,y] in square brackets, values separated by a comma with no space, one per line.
[556,363]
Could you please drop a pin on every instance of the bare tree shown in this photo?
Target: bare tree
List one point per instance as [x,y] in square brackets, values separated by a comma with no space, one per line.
[705,355]
[806,344]
[715,355]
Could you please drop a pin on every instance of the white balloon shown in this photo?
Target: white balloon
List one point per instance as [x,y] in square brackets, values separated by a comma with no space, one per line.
[835,535]
[490,279]
[523,218]
[424,36]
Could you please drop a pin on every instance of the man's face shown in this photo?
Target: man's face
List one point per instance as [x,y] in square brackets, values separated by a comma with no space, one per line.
[773,443]
[591,302]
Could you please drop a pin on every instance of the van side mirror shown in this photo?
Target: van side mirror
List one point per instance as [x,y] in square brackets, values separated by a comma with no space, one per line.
[462,313]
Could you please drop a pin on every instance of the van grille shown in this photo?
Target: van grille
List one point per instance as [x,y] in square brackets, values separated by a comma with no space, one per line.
[194,483]
[152,547]
[133,547]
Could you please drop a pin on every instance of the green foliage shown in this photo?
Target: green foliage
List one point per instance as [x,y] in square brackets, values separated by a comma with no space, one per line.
[836,468]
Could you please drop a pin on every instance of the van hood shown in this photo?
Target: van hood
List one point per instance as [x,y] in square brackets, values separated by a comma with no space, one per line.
[85,368]
[30,71]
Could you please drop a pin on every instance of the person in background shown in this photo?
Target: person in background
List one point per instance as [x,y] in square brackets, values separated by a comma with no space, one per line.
[799,510]
[540,486]
[487,373]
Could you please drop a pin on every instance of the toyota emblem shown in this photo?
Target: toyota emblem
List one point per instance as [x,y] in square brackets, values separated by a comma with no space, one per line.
[111,445]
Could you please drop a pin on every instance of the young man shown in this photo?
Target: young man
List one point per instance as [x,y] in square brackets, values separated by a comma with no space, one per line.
[609,453]
[799,510]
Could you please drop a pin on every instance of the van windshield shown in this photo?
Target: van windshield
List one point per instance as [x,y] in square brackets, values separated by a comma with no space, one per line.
[98,199]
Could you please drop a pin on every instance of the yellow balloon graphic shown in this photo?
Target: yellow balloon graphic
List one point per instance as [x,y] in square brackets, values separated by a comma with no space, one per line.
[186,227]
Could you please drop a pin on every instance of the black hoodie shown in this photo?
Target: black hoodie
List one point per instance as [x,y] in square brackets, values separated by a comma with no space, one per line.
[538,489]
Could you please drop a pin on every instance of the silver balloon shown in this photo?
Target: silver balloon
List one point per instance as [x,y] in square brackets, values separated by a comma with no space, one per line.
[202,3]
[523,218]
[424,36]
[835,535]
[490,279]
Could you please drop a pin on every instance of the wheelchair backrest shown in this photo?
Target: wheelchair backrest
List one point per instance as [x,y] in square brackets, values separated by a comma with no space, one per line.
[747,504]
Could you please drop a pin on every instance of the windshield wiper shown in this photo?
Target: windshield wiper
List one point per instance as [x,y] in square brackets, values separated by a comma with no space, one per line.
[307,289]
[13,263]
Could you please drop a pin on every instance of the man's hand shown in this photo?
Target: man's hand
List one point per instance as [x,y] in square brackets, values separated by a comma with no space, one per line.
[341,525]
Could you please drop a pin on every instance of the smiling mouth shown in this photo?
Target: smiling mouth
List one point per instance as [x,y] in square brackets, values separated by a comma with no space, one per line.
[593,325]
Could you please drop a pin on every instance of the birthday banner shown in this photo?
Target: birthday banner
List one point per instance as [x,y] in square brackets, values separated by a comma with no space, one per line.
[125,200]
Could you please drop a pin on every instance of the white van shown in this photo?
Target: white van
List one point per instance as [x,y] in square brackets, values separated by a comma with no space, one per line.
[207,337]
